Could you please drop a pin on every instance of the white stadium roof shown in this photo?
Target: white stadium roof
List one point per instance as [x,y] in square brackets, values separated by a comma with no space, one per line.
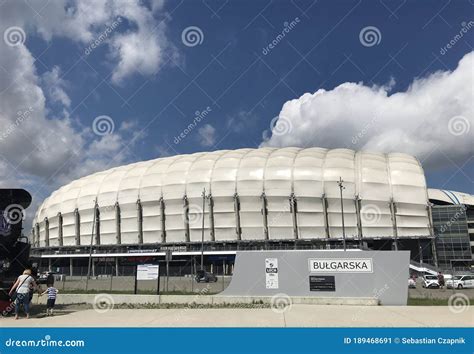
[450,197]
[386,185]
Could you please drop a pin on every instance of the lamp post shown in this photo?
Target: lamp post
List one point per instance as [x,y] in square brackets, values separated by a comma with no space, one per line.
[202,227]
[341,187]
[91,245]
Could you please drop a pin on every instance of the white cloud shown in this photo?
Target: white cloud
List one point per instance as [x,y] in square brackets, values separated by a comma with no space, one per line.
[432,119]
[41,146]
[136,52]
[34,141]
[207,135]
[241,121]
[55,87]
[157,5]
[140,48]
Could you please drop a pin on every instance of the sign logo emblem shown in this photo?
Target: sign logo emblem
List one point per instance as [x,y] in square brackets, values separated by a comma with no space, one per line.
[340,265]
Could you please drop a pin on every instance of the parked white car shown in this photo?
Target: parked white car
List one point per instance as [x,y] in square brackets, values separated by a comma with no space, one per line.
[430,281]
[461,282]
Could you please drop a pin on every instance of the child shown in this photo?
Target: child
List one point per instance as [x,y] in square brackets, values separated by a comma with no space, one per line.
[52,292]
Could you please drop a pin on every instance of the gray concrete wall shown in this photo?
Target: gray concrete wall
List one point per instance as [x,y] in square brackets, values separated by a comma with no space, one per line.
[388,281]
[115,299]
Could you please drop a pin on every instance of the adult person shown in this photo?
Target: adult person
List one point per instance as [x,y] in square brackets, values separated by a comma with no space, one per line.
[412,282]
[50,279]
[441,280]
[23,285]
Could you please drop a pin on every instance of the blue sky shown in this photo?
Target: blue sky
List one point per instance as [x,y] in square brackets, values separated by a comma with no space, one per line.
[152,94]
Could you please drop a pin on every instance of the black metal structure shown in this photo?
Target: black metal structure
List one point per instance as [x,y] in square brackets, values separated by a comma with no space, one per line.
[14,246]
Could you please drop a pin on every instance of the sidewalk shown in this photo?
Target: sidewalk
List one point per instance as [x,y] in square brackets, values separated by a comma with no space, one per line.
[296,316]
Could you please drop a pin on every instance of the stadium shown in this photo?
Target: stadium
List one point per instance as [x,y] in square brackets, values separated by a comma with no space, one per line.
[215,203]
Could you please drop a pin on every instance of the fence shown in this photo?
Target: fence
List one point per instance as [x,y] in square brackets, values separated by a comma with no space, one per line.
[179,279]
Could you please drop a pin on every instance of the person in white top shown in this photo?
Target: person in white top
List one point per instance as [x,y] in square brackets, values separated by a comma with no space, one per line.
[23,285]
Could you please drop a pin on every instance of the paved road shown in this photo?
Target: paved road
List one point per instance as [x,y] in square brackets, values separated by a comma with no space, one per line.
[296,316]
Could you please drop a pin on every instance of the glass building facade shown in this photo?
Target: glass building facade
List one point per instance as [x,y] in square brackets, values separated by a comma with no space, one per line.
[452,237]
[470,226]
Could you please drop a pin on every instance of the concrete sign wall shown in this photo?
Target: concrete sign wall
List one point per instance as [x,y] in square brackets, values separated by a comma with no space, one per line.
[323,273]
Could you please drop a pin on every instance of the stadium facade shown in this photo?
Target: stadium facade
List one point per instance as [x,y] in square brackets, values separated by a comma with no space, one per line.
[268,198]
[453,223]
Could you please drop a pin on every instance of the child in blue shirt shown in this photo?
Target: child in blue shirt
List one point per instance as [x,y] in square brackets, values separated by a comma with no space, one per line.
[52,293]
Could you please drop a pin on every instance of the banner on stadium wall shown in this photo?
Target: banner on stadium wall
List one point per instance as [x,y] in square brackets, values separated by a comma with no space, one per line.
[271,273]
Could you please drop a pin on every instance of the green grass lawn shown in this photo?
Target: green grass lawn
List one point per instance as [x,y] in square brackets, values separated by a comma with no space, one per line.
[411,301]
[141,292]
[432,302]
